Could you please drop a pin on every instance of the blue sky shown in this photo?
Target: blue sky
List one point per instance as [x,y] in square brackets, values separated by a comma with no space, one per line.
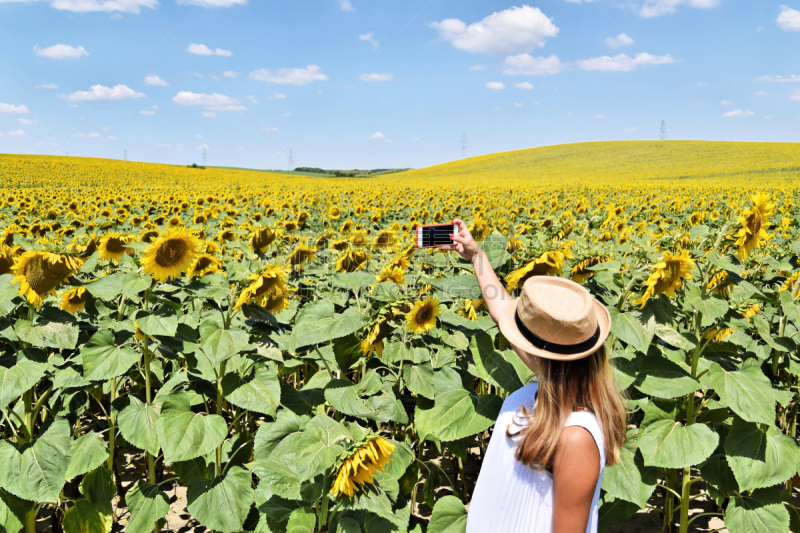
[378,84]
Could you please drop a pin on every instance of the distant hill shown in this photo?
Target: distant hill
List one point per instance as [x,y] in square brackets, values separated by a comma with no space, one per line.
[628,162]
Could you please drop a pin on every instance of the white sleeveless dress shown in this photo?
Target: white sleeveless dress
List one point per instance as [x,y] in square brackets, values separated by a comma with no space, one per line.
[511,497]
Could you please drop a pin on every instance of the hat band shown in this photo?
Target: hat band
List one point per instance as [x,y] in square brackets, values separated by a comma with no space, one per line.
[561,349]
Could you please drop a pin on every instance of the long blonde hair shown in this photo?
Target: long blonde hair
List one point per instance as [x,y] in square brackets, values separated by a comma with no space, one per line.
[566,386]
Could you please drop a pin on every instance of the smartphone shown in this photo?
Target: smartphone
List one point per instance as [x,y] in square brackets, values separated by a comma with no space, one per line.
[435,235]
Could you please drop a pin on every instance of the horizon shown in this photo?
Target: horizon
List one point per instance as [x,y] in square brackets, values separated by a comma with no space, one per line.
[355,85]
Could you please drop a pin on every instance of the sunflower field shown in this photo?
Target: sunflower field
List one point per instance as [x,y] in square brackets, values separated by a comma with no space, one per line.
[276,350]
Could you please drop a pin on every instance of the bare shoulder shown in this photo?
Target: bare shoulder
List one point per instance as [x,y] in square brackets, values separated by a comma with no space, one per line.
[577,457]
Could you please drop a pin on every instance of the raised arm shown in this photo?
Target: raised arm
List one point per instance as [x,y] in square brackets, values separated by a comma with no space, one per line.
[494,293]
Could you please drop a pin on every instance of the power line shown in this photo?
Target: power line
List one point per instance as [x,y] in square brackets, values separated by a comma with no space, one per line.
[204,156]
[125,155]
[464,145]
[291,160]
[662,132]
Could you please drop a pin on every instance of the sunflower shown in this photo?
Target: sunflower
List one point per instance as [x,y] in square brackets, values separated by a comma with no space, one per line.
[547,264]
[358,469]
[74,300]
[580,272]
[513,245]
[719,284]
[373,342]
[352,261]
[422,316]
[340,245]
[323,239]
[358,238]
[346,226]
[204,264]
[384,239]
[790,283]
[174,251]
[754,225]
[395,275]
[472,306]
[39,273]
[334,213]
[270,282]
[668,276]
[277,303]
[7,254]
[719,335]
[300,255]
[261,238]
[112,247]
[400,262]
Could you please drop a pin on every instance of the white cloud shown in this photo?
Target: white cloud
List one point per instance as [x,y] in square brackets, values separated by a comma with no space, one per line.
[212,3]
[767,117]
[345,5]
[46,86]
[211,102]
[370,38]
[195,74]
[496,108]
[269,129]
[513,31]
[155,80]
[779,79]
[60,51]
[18,133]
[252,98]
[623,62]
[90,135]
[738,113]
[789,19]
[620,40]
[761,93]
[106,128]
[476,68]
[197,136]
[517,104]
[30,122]
[725,102]
[203,50]
[101,92]
[287,114]
[230,74]
[377,135]
[209,114]
[656,8]
[524,85]
[795,97]
[202,147]
[527,65]
[289,76]
[597,117]
[495,85]
[147,112]
[113,138]
[701,84]
[276,96]
[374,76]
[17,109]
[632,130]
[103,6]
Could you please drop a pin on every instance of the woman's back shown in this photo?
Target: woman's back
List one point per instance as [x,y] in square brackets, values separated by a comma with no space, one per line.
[512,497]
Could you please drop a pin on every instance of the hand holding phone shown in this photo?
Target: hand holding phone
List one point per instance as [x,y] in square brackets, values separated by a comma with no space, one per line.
[436,235]
[463,243]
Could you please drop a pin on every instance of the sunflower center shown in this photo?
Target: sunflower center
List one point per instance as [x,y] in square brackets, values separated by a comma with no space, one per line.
[115,245]
[203,263]
[77,299]
[171,252]
[424,314]
[755,224]
[669,277]
[267,285]
[44,276]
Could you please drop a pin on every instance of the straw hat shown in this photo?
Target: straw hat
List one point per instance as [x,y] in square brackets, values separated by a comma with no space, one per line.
[555,318]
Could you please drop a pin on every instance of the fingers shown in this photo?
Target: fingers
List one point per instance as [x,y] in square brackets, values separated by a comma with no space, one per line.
[460,239]
[460,223]
[448,247]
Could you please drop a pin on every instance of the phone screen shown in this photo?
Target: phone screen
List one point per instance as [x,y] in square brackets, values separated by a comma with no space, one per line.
[436,235]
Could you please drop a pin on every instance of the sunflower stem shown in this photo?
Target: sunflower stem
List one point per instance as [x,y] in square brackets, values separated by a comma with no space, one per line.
[323,508]
[220,400]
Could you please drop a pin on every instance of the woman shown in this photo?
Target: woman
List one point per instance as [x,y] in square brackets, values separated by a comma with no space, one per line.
[544,464]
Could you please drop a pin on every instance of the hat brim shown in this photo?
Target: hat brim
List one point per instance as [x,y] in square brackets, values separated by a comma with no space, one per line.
[508,327]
